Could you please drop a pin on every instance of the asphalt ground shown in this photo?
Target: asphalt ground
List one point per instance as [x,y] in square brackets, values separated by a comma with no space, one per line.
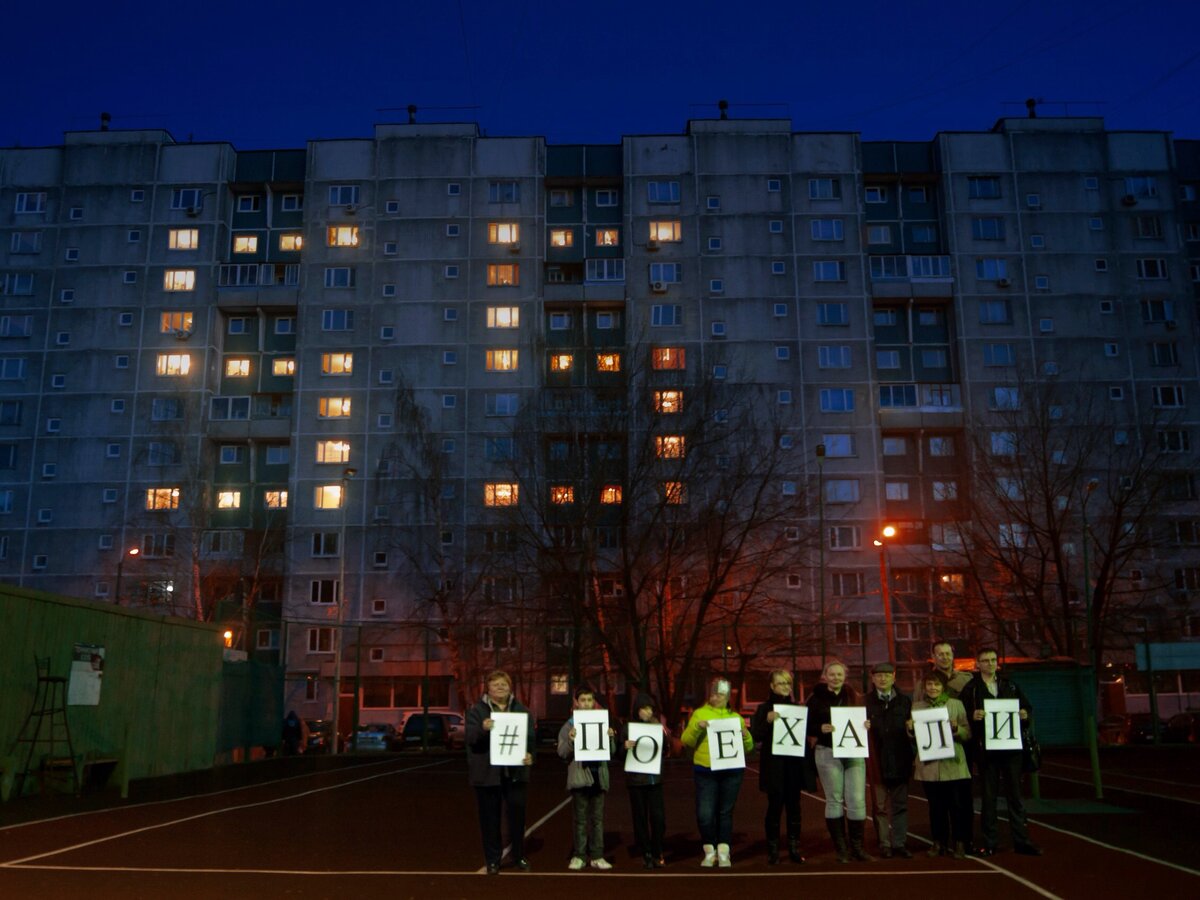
[405,826]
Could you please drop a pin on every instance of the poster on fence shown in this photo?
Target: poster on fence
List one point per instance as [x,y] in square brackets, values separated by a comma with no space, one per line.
[726,750]
[508,739]
[934,733]
[646,754]
[849,732]
[592,743]
[787,734]
[87,673]
[1001,724]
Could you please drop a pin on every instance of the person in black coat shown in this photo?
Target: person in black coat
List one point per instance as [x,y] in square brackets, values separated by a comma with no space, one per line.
[781,778]
[646,791]
[890,764]
[498,787]
[998,769]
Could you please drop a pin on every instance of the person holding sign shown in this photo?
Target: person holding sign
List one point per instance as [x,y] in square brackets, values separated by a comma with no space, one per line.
[646,788]
[587,780]
[843,779]
[946,781]
[499,786]
[781,776]
[718,765]
[998,767]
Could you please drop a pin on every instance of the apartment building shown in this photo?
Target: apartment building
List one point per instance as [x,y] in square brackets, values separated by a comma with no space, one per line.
[303,384]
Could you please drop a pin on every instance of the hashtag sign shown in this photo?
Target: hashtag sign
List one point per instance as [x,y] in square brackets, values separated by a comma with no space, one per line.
[508,739]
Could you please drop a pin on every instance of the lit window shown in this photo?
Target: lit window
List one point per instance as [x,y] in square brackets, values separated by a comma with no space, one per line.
[668,402]
[333,451]
[229,499]
[608,362]
[500,493]
[174,363]
[561,362]
[562,493]
[327,496]
[342,236]
[183,238]
[175,323]
[291,242]
[283,366]
[237,368]
[276,499]
[674,492]
[507,275]
[562,237]
[668,358]
[669,446]
[502,360]
[333,407]
[608,237]
[179,280]
[337,363]
[162,498]
[610,494]
[245,243]
[503,232]
[503,316]
[667,231]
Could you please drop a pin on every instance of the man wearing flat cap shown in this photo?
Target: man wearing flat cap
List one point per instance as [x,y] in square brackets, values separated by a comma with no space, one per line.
[890,764]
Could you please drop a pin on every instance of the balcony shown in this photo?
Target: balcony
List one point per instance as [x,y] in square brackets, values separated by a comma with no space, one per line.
[920,405]
[264,416]
[911,276]
[252,284]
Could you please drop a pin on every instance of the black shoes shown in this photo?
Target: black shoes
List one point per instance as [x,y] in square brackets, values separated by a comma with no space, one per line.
[493,868]
[522,864]
[647,861]
[1028,849]
[885,852]
[902,852]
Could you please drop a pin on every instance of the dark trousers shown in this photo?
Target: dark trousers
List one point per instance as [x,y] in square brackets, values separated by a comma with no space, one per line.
[778,800]
[716,794]
[649,818]
[890,802]
[1001,770]
[510,795]
[587,811]
[950,810]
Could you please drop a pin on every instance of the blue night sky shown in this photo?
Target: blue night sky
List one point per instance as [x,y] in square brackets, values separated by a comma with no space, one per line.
[277,74]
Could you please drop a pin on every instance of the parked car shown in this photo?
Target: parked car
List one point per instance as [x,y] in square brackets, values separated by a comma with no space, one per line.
[445,730]
[1131,728]
[1183,728]
[319,731]
[374,736]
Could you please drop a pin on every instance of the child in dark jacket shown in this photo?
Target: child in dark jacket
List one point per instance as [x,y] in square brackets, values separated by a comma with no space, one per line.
[646,792]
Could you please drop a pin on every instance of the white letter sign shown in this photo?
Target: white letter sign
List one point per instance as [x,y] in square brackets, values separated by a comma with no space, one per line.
[508,738]
[645,756]
[934,733]
[849,732]
[1001,724]
[725,747]
[591,735]
[787,735]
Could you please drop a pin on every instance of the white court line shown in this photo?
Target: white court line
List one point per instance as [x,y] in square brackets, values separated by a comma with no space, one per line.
[234,790]
[528,831]
[1122,775]
[393,873]
[212,812]
[1121,790]
[1098,843]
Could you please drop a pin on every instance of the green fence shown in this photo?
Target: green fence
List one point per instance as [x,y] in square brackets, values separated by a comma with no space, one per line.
[168,701]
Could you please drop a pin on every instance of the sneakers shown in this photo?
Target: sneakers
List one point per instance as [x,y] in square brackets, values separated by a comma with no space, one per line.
[723,859]
[601,864]
[576,863]
[710,857]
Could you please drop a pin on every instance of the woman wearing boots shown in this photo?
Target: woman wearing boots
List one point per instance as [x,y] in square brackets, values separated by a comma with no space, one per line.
[843,781]
[947,782]
[716,791]
[781,778]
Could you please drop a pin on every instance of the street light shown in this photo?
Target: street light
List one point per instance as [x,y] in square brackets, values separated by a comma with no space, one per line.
[132,551]
[888,532]
[821,543]
[1089,719]
[347,474]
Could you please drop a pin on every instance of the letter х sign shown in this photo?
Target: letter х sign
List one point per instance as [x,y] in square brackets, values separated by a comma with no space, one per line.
[788,731]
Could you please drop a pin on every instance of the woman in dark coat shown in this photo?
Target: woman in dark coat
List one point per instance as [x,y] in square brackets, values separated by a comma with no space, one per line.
[781,778]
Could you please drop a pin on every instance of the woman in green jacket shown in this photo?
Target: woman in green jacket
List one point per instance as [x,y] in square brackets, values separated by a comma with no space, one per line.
[716,792]
[947,782]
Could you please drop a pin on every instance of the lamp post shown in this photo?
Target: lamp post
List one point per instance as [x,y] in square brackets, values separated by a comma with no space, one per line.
[132,551]
[821,545]
[347,474]
[888,532]
[1089,719]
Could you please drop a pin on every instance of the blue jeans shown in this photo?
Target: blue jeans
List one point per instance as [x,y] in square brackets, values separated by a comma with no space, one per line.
[844,782]
[716,794]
